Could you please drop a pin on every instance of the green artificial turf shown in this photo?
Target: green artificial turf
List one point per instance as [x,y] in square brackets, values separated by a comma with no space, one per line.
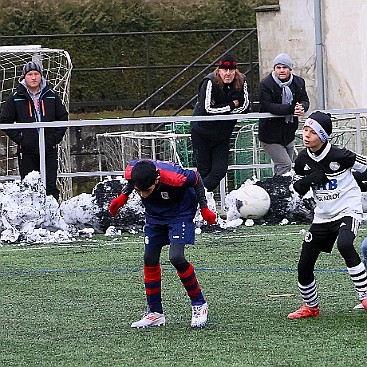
[72,305]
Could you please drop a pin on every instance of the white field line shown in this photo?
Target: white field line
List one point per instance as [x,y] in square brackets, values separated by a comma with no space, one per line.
[199,239]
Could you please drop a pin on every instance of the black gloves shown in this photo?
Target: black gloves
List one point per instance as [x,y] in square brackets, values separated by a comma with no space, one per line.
[304,184]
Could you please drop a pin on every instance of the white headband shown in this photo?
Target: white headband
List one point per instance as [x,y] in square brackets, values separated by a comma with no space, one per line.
[314,125]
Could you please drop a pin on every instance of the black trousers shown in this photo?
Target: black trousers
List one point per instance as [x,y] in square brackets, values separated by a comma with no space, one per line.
[211,159]
[29,162]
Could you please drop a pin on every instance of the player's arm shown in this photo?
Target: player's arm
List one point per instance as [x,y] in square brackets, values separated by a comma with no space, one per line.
[121,200]
[303,185]
[359,171]
[199,188]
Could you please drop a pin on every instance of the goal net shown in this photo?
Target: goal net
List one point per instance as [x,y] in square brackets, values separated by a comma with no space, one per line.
[117,149]
[57,68]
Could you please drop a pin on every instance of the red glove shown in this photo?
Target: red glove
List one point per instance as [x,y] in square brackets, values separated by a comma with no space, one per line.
[208,215]
[117,203]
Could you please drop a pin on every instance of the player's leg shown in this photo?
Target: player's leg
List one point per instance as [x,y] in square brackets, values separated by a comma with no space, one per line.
[180,234]
[356,269]
[318,239]
[156,237]
[359,306]
[187,275]
[307,283]
[364,252]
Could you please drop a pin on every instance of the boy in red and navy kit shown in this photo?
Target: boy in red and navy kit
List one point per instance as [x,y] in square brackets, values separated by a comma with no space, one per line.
[170,195]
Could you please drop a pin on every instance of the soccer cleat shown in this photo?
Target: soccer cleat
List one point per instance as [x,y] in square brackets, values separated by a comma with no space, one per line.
[358,307]
[199,316]
[305,311]
[364,303]
[150,319]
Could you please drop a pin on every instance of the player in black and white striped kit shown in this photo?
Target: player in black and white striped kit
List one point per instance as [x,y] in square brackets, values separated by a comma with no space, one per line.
[327,170]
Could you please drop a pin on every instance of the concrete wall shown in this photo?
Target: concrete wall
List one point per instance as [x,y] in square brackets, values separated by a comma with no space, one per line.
[290,28]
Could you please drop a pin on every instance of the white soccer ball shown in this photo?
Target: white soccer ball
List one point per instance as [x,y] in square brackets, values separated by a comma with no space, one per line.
[252,201]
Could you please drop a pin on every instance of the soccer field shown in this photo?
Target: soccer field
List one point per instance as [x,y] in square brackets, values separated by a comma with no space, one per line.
[72,305]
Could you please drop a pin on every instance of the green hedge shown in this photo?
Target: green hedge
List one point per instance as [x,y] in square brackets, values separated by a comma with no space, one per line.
[43,17]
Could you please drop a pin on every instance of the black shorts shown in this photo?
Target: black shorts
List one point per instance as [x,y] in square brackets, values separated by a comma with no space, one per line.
[322,236]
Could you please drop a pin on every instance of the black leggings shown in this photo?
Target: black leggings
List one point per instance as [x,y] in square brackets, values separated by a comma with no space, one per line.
[176,257]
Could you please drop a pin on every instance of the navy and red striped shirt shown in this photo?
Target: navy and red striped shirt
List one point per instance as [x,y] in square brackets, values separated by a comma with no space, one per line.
[174,198]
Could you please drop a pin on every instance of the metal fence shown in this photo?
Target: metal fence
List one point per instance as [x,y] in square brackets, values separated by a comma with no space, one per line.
[136,74]
[350,130]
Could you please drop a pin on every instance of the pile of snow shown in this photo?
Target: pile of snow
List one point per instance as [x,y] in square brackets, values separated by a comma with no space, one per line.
[29,216]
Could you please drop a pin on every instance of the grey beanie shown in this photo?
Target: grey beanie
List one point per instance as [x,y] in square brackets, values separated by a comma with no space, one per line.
[283,59]
[29,66]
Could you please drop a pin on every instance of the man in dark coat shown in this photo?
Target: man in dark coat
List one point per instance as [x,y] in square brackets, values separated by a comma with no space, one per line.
[281,93]
[35,101]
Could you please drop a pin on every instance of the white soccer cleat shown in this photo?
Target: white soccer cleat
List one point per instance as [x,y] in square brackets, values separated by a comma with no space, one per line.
[199,316]
[150,319]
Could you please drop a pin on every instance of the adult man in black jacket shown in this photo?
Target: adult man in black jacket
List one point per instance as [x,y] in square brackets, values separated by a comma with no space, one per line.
[281,93]
[35,101]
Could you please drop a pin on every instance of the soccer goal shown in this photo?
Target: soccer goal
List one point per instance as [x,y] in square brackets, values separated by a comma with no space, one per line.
[57,68]
[117,149]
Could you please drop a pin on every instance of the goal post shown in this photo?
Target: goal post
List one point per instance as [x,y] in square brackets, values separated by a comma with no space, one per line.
[57,66]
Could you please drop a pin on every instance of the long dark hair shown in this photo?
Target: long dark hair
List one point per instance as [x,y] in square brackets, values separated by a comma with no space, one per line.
[239,79]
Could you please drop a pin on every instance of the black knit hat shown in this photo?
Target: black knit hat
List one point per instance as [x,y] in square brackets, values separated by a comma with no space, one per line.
[227,62]
[29,66]
[144,174]
[321,123]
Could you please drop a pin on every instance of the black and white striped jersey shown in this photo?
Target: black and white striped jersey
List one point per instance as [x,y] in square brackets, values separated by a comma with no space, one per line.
[341,195]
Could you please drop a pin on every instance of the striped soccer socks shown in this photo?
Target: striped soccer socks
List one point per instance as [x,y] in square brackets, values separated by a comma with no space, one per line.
[359,278]
[191,284]
[153,285]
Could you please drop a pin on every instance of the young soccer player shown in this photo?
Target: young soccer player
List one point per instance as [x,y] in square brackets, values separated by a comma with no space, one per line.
[359,306]
[326,169]
[170,195]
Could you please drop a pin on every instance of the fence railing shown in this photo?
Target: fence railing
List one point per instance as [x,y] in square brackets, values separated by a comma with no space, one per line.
[356,114]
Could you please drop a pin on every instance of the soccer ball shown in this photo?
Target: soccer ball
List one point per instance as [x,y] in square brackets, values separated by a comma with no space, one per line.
[252,201]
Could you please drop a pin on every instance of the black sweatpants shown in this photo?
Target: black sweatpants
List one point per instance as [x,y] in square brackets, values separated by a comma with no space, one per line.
[211,159]
[29,162]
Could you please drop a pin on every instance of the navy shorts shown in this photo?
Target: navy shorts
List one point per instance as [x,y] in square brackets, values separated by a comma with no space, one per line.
[181,233]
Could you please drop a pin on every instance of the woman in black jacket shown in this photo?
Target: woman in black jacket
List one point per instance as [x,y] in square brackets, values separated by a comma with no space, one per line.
[222,92]
[281,93]
[35,101]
